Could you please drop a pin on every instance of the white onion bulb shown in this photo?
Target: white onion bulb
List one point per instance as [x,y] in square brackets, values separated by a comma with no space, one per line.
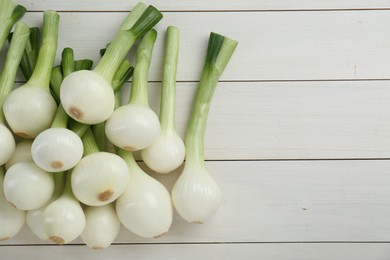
[166,154]
[22,153]
[99,178]
[57,149]
[145,208]
[29,110]
[64,219]
[35,218]
[11,218]
[133,127]
[102,226]
[7,144]
[195,194]
[28,187]
[87,97]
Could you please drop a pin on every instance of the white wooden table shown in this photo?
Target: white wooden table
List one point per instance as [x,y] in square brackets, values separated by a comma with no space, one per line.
[298,135]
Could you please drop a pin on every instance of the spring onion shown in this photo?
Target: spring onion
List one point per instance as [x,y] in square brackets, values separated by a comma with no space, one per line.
[145,208]
[11,218]
[100,177]
[64,218]
[28,116]
[81,91]
[167,153]
[102,226]
[135,126]
[7,78]
[195,194]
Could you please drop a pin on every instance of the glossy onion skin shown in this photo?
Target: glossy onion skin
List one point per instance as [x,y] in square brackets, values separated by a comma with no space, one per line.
[64,220]
[87,97]
[145,208]
[57,149]
[166,154]
[99,178]
[195,195]
[133,127]
[102,226]
[22,153]
[11,218]
[27,186]
[27,116]
[7,144]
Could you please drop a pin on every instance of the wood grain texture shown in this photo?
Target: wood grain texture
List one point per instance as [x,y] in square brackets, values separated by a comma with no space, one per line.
[272,45]
[204,5]
[208,252]
[284,201]
[308,82]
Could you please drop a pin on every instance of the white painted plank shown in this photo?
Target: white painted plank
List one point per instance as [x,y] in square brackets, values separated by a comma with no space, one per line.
[208,251]
[284,201]
[273,45]
[204,5]
[293,119]
[290,120]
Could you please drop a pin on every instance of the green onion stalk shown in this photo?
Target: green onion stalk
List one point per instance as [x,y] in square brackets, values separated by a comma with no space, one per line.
[7,78]
[195,195]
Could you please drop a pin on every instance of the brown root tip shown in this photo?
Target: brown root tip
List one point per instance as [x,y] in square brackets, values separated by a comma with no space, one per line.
[160,235]
[76,113]
[197,222]
[24,135]
[56,165]
[129,148]
[97,247]
[57,240]
[105,195]
[4,238]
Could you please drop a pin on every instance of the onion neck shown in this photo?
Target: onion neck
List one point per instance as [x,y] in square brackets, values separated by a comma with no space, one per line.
[61,118]
[197,124]
[12,60]
[219,51]
[139,86]
[68,187]
[59,183]
[128,157]
[89,143]
[42,71]
[168,92]
[114,55]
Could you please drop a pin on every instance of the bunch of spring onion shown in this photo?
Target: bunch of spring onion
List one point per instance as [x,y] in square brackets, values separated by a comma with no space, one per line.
[73,172]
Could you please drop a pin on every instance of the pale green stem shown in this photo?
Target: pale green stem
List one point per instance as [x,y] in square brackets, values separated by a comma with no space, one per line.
[139,86]
[47,52]
[168,92]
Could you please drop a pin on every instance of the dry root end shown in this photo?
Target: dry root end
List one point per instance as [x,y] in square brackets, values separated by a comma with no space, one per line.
[97,247]
[24,135]
[76,113]
[160,235]
[4,238]
[105,195]
[57,240]
[197,222]
[56,165]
